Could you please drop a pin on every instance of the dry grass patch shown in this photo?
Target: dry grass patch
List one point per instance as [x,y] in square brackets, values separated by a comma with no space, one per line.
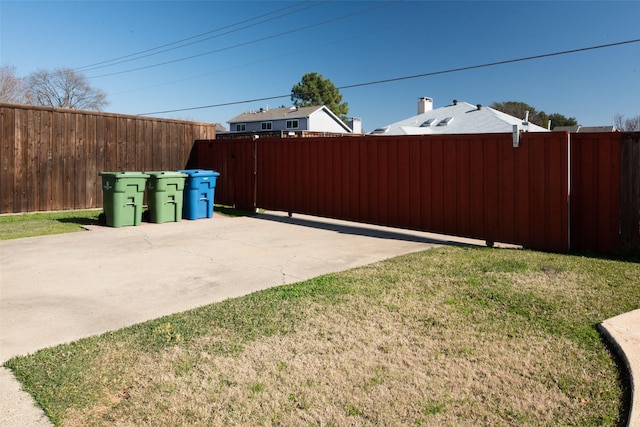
[449,336]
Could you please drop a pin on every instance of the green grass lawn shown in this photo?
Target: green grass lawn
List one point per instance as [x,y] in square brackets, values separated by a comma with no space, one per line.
[48,223]
[448,336]
[45,223]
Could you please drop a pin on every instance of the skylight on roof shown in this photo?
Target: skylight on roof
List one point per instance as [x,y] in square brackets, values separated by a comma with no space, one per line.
[381,130]
[428,122]
[446,121]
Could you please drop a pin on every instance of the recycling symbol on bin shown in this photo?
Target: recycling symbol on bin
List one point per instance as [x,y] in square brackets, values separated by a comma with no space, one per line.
[107,186]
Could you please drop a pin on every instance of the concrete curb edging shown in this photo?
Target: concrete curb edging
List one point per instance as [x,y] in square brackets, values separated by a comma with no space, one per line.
[623,333]
[17,407]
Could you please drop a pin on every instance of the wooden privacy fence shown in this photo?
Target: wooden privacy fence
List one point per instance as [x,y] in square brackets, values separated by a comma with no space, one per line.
[630,191]
[50,158]
[476,186]
[605,191]
[234,159]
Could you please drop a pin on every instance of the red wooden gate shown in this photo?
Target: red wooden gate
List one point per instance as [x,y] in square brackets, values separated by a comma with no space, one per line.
[476,186]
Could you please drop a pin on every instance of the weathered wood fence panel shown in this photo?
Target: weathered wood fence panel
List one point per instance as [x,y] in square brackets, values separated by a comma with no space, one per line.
[50,158]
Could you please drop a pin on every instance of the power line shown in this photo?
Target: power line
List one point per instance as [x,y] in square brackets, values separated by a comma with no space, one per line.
[295,30]
[491,64]
[273,58]
[156,50]
[433,73]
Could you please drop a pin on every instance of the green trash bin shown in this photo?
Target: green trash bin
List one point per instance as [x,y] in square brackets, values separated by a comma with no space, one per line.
[122,194]
[165,196]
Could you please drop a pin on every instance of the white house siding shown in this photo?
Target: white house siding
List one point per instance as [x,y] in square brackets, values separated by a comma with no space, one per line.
[325,123]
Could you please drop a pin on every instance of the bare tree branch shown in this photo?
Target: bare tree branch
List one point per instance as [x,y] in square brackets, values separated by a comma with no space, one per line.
[632,124]
[64,88]
[12,87]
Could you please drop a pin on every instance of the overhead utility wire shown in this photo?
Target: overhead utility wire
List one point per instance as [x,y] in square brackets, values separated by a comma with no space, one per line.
[273,36]
[121,59]
[491,64]
[270,58]
[157,52]
[434,73]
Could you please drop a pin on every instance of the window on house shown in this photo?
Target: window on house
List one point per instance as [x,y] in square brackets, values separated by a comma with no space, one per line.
[266,126]
[292,124]
[241,127]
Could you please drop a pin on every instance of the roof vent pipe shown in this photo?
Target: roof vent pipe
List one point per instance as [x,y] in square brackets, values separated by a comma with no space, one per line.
[455,102]
[479,106]
[526,121]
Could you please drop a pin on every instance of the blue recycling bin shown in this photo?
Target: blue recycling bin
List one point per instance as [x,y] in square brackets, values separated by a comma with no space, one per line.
[199,190]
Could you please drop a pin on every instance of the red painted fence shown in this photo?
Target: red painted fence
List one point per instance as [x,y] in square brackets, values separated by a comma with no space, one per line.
[630,191]
[595,191]
[235,161]
[605,191]
[554,192]
[468,185]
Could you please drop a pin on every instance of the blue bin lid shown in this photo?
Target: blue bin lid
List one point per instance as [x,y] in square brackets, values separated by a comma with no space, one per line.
[199,172]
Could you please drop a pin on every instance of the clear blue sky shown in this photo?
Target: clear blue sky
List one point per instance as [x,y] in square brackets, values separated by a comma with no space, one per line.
[260,49]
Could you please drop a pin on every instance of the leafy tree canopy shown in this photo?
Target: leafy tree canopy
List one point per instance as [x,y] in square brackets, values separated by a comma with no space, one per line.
[540,118]
[558,119]
[313,90]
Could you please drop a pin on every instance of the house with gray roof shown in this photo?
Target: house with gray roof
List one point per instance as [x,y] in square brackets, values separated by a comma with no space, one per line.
[457,118]
[289,119]
[585,129]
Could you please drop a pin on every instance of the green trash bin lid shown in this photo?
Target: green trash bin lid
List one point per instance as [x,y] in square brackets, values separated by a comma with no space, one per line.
[166,174]
[124,174]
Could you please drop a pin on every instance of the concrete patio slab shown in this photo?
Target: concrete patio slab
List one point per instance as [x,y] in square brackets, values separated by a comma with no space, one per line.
[56,289]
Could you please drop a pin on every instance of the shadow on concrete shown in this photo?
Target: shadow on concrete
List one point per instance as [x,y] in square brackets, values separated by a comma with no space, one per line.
[79,220]
[363,230]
